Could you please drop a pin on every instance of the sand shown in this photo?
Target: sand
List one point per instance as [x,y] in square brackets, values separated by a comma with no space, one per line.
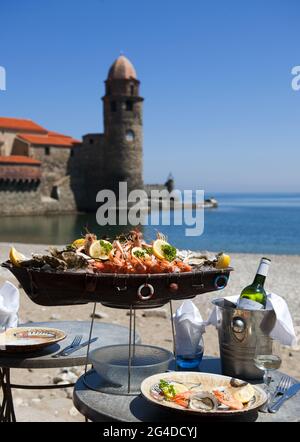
[43,405]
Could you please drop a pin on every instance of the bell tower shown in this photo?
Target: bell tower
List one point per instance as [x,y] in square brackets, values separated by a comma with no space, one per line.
[123,127]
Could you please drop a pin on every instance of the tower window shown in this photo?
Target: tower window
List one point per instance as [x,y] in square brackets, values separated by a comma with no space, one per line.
[129,105]
[130,135]
[91,141]
[108,90]
[113,106]
[47,150]
[131,89]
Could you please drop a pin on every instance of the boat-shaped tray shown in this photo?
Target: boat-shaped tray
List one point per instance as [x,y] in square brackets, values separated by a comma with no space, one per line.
[55,288]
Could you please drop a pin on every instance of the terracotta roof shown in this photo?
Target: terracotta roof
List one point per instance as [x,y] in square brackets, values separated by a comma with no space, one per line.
[17,125]
[18,159]
[122,69]
[49,140]
[55,134]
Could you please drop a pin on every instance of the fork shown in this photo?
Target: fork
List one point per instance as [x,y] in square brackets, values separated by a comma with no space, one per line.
[284,383]
[76,341]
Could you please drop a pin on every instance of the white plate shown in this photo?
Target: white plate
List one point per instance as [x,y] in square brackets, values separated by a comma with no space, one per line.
[209,382]
[21,339]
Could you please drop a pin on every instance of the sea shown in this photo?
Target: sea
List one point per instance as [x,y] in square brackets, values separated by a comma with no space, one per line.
[243,223]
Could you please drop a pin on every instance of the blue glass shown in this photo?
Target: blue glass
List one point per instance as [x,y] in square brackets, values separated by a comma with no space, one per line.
[189,362]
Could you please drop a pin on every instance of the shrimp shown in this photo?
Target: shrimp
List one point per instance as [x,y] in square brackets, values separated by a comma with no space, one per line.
[227,399]
[183,267]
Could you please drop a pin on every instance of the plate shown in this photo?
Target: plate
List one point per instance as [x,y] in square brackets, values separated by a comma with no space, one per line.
[209,382]
[25,339]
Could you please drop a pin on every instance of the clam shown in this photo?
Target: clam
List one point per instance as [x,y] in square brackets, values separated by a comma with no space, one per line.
[203,401]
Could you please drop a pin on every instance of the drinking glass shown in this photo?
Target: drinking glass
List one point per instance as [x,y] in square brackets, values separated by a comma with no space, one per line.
[191,361]
[267,358]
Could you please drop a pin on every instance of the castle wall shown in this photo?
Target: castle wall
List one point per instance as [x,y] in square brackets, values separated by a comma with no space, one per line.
[54,166]
[6,142]
[87,171]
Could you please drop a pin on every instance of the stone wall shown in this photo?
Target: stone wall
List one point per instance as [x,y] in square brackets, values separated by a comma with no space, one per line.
[6,142]
[87,171]
[55,165]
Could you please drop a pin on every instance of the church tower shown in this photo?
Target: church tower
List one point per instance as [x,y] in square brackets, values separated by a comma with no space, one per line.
[123,127]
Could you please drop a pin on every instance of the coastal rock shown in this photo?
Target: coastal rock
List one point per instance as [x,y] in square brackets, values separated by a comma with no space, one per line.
[55,317]
[35,401]
[99,315]
[73,412]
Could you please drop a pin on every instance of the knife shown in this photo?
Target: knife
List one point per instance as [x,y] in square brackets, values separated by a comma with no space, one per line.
[287,395]
[73,349]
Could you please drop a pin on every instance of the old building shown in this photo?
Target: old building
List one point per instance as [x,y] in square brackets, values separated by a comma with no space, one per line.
[56,173]
[104,160]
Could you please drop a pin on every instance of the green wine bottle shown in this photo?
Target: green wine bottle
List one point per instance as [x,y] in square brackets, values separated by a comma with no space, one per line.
[254,296]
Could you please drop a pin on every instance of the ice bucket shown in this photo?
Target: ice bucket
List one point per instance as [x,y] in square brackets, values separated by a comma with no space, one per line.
[239,331]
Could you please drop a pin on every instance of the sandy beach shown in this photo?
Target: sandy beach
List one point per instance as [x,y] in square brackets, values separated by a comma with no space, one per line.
[57,405]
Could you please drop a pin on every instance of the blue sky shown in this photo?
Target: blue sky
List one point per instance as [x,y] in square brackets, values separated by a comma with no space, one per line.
[220,112]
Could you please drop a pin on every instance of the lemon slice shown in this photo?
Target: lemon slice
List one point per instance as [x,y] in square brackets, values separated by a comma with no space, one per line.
[140,253]
[243,394]
[100,249]
[78,243]
[16,257]
[223,261]
[159,250]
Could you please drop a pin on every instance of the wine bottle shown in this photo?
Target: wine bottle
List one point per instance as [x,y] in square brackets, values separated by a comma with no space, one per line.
[254,296]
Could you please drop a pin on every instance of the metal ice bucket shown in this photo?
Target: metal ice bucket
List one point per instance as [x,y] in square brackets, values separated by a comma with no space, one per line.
[239,331]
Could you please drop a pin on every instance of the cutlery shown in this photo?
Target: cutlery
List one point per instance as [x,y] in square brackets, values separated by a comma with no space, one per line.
[76,341]
[287,395]
[284,383]
[78,347]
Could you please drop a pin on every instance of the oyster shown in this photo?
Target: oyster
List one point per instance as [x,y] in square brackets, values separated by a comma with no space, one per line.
[74,261]
[203,401]
[237,383]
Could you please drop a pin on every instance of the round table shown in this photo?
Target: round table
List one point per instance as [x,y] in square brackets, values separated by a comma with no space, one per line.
[107,334]
[101,407]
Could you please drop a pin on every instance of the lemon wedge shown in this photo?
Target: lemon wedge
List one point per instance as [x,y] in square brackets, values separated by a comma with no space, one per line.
[16,257]
[140,253]
[163,250]
[100,249]
[78,243]
[223,261]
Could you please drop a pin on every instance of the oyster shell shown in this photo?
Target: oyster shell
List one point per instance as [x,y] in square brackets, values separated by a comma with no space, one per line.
[203,401]
[237,383]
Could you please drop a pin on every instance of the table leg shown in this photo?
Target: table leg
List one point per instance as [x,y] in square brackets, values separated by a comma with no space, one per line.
[7,412]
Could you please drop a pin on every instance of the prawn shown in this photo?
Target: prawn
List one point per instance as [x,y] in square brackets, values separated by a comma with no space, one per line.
[227,399]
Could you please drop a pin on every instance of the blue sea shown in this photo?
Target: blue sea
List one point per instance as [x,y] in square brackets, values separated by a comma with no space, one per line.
[246,223]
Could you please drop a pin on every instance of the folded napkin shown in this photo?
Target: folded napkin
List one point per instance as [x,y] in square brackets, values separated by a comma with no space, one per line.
[189,327]
[9,306]
[283,330]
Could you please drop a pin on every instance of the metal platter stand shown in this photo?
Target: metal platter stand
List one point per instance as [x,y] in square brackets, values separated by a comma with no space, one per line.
[130,292]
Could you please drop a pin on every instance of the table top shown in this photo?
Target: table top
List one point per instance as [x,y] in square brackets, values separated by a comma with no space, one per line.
[101,407]
[108,334]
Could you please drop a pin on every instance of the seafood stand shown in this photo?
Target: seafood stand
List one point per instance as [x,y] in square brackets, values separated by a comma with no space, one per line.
[62,278]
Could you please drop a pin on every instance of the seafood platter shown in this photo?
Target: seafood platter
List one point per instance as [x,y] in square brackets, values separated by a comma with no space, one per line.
[120,273]
[203,393]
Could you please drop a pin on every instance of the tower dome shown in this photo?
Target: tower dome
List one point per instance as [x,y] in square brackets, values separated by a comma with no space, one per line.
[122,69]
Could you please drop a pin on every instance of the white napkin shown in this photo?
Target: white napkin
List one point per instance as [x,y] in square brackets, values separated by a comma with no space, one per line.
[9,306]
[283,330]
[189,327]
